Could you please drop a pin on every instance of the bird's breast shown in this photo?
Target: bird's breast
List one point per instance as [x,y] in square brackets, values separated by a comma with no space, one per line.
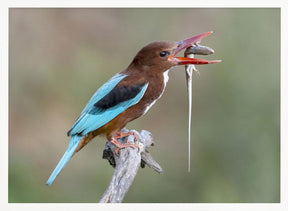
[156,85]
[156,90]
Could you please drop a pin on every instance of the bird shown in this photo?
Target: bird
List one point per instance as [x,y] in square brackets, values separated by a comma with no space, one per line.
[127,95]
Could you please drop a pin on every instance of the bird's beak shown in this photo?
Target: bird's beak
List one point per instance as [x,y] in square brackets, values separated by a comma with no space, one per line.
[185,44]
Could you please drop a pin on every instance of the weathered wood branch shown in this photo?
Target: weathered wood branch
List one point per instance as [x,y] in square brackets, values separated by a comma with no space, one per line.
[126,164]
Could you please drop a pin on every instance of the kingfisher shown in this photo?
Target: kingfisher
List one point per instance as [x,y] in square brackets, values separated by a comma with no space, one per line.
[127,96]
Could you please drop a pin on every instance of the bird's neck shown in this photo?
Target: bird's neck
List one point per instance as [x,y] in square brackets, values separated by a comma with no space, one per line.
[136,68]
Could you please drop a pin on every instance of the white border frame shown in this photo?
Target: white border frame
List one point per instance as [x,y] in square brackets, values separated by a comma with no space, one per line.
[4,12]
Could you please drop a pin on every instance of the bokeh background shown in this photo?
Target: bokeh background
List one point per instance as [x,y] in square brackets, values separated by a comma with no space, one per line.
[59,57]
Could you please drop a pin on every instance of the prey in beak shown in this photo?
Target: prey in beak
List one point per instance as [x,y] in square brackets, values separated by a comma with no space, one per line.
[185,44]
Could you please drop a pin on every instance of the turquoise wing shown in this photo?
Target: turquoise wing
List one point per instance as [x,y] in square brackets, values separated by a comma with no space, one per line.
[103,90]
[107,103]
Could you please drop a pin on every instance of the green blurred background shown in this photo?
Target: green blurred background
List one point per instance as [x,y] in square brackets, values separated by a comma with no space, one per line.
[59,57]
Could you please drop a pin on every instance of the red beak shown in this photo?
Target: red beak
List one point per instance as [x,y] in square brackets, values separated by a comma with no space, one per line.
[185,44]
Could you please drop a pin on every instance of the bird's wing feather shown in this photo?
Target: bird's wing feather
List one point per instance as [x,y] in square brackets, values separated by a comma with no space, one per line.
[103,90]
[103,109]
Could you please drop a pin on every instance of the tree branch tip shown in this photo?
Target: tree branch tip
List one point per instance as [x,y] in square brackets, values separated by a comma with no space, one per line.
[127,163]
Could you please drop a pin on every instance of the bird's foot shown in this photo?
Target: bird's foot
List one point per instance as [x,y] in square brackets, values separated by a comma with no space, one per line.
[120,145]
[122,134]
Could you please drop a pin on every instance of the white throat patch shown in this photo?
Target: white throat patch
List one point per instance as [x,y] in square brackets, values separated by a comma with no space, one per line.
[166,78]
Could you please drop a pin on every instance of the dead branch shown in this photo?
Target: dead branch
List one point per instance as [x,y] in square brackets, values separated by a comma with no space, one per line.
[126,164]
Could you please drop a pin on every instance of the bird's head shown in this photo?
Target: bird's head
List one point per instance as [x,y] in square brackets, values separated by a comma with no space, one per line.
[161,56]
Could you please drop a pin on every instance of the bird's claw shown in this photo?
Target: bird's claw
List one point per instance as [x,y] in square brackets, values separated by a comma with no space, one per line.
[122,134]
[120,145]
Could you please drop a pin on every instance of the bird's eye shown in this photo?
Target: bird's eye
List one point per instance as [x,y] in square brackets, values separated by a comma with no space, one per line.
[164,53]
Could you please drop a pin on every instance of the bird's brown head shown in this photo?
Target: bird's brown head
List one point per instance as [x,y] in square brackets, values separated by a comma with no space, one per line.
[161,56]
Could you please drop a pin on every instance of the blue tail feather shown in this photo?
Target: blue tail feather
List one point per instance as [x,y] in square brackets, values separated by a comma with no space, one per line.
[74,142]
